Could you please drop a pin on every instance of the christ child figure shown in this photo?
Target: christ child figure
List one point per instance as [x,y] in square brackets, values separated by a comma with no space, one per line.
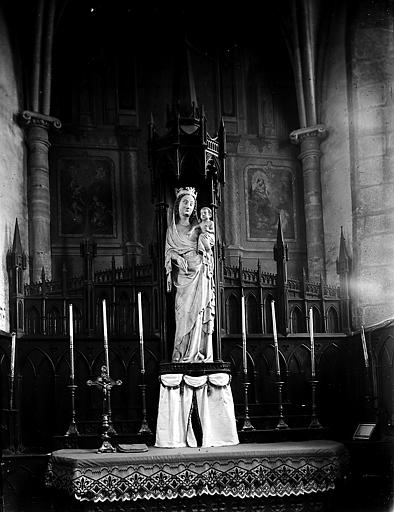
[206,230]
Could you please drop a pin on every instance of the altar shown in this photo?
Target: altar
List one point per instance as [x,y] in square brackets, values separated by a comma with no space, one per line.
[242,471]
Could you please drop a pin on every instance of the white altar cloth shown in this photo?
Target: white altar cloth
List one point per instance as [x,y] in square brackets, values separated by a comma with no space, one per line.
[215,408]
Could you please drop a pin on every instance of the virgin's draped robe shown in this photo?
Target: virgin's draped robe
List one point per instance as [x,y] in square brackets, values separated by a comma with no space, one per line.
[195,295]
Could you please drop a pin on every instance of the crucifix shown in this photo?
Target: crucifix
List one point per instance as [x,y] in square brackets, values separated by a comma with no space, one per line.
[105,383]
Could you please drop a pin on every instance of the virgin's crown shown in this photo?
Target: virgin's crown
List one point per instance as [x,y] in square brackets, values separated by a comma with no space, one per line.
[186,190]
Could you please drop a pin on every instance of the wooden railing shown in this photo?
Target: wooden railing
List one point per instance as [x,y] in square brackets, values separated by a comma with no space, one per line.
[44,304]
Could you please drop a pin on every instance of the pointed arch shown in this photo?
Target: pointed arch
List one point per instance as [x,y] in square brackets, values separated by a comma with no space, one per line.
[299,365]
[20,314]
[317,320]
[35,358]
[54,322]
[77,319]
[332,320]
[386,353]
[233,314]
[268,314]
[297,321]
[252,314]
[123,314]
[33,321]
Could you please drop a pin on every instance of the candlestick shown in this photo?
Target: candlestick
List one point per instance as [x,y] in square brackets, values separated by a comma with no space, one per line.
[141,333]
[364,343]
[315,423]
[313,372]
[105,336]
[275,338]
[12,369]
[243,323]
[13,351]
[70,308]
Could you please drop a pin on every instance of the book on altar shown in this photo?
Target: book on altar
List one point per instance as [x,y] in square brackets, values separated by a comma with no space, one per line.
[131,448]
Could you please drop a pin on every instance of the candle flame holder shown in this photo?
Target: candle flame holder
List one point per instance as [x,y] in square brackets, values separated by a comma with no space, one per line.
[105,384]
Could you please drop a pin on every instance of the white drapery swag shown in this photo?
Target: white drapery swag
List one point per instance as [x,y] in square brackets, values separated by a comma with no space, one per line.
[215,408]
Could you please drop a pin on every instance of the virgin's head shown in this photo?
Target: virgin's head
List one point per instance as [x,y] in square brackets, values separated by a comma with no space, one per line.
[185,206]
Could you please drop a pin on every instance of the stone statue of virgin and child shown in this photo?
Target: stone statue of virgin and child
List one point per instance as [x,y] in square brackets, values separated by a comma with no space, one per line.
[189,263]
[190,270]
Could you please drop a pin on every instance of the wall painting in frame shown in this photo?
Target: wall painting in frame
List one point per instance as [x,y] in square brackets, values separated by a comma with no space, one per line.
[86,194]
[269,193]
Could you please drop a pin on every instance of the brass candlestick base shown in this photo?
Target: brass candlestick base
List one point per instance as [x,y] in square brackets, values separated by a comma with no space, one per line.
[105,383]
[106,446]
[281,423]
[72,429]
[144,428]
[247,426]
[314,420]
[144,425]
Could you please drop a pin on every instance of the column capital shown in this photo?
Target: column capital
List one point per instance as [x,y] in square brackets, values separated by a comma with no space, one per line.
[35,119]
[318,131]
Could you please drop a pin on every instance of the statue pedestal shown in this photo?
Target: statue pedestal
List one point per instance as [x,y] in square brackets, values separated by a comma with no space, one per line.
[195,368]
[200,387]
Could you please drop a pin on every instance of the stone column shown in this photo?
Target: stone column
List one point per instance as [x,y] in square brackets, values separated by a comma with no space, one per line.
[309,140]
[39,194]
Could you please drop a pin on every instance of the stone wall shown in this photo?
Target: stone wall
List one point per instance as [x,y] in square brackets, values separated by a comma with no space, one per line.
[357,158]
[335,164]
[372,159]
[12,166]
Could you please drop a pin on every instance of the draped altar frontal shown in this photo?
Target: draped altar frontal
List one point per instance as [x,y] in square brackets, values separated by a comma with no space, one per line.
[241,471]
[210,395]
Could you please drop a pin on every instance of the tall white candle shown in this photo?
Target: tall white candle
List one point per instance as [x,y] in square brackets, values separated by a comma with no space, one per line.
[276,345]
[13,351]
[243,327]
[313,371]
[70,309]
[364,343]
[105,335]
[141,332]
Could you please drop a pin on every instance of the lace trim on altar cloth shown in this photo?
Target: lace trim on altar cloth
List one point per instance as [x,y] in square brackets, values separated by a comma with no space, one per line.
[256,477]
